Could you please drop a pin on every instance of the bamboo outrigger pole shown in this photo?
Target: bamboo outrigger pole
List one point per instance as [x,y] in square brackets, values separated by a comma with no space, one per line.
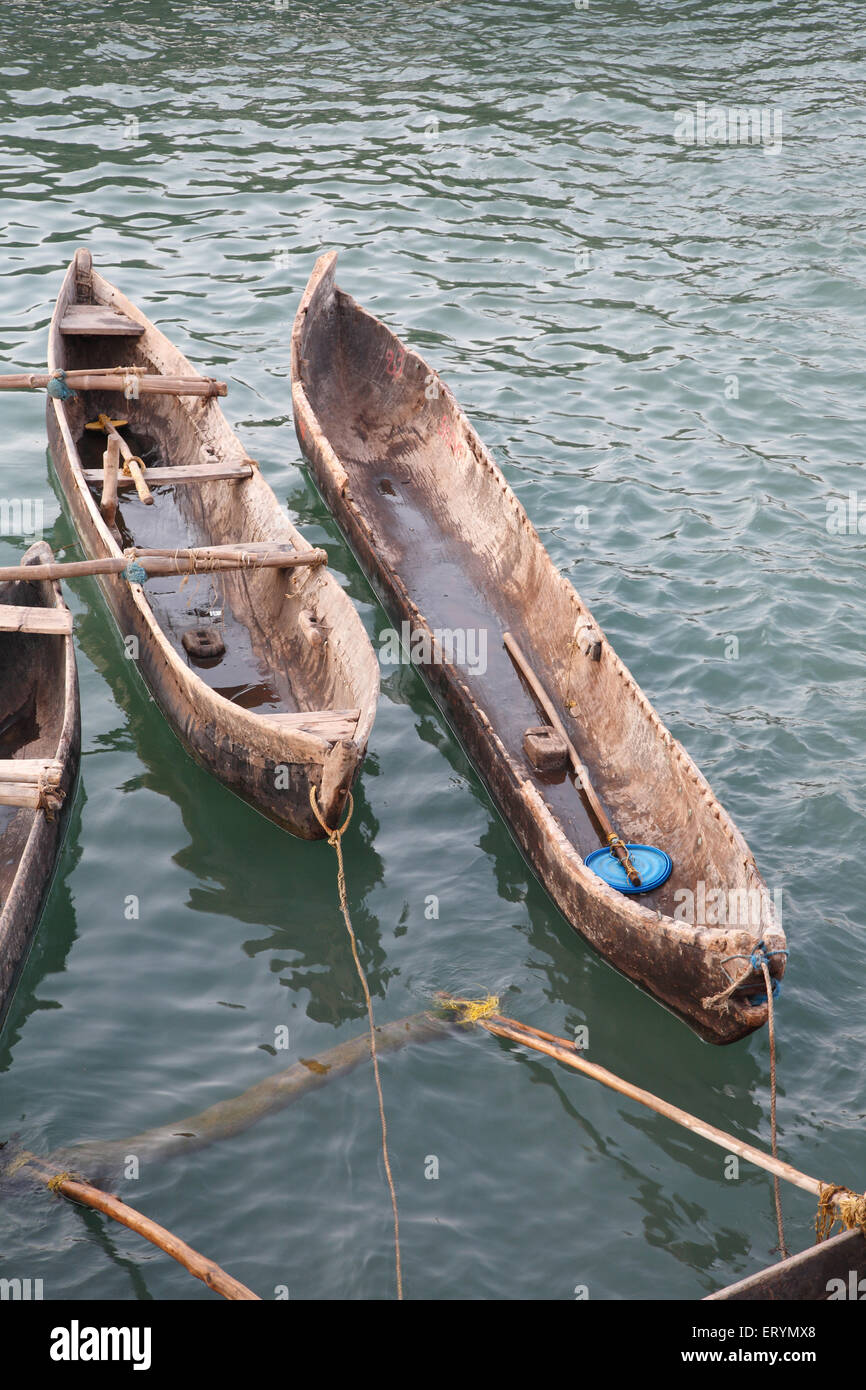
[561,1050]
[85,1194]
[117,379]
[200,560]
[207,1270]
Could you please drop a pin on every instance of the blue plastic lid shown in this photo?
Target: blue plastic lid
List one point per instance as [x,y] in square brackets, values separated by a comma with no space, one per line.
[653,865]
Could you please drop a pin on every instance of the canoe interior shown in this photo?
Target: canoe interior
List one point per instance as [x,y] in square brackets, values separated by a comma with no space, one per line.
[32,706]
[469,560]
[242,674]
[268,665]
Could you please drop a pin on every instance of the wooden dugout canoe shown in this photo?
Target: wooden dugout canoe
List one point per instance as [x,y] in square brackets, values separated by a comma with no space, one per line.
[833,1271]
[449,548]
[289,704]
[40,740]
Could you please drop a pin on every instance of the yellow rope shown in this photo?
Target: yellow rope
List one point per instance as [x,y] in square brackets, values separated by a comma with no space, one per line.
[849,1210]
[852,1211]
[57,1182]
[471,1010]
[335,840]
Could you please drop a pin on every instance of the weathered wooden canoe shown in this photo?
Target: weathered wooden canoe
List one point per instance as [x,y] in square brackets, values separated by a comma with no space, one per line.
[266,675]
[833,1271]
[40,740]
[450,550]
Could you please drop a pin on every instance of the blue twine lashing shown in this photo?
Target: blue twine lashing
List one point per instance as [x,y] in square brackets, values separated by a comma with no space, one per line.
[761,954]
[135,573]
[777,990]
[756,960]
[58,387]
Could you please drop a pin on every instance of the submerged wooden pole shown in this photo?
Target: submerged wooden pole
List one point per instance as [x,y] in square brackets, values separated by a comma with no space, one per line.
[230,1117]
[163,563]
[221,1121]
[210,1273]
[104,1159]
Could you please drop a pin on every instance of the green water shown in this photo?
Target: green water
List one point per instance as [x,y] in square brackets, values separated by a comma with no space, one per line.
[504,188]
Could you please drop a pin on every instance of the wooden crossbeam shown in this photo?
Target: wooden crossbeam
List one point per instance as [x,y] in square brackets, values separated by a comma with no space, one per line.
[51,621]
[184,473]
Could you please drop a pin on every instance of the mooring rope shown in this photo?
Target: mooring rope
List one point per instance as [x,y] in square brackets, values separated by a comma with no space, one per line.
[771,1028]
[760,960]
[335,840]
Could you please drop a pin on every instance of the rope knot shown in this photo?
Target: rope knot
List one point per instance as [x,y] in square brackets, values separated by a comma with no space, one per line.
[758,962]
[58,386]
[471,1010]
[333,835]
[134,572]
[839,1203]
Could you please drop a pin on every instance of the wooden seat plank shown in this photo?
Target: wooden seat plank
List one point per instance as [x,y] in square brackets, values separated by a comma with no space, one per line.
[98,321]
[51,621]
[329,723]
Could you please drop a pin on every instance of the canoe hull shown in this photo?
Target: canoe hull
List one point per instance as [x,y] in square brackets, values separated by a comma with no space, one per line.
[253,774]
[833,1271]
[680,966]
[670,972]
[39,837]
[270,766]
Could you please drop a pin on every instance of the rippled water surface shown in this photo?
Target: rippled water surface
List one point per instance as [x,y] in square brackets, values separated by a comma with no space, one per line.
[663,345]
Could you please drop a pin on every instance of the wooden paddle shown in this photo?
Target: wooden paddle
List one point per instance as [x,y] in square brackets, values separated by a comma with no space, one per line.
[111,470]
[547,706]
[134,465]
